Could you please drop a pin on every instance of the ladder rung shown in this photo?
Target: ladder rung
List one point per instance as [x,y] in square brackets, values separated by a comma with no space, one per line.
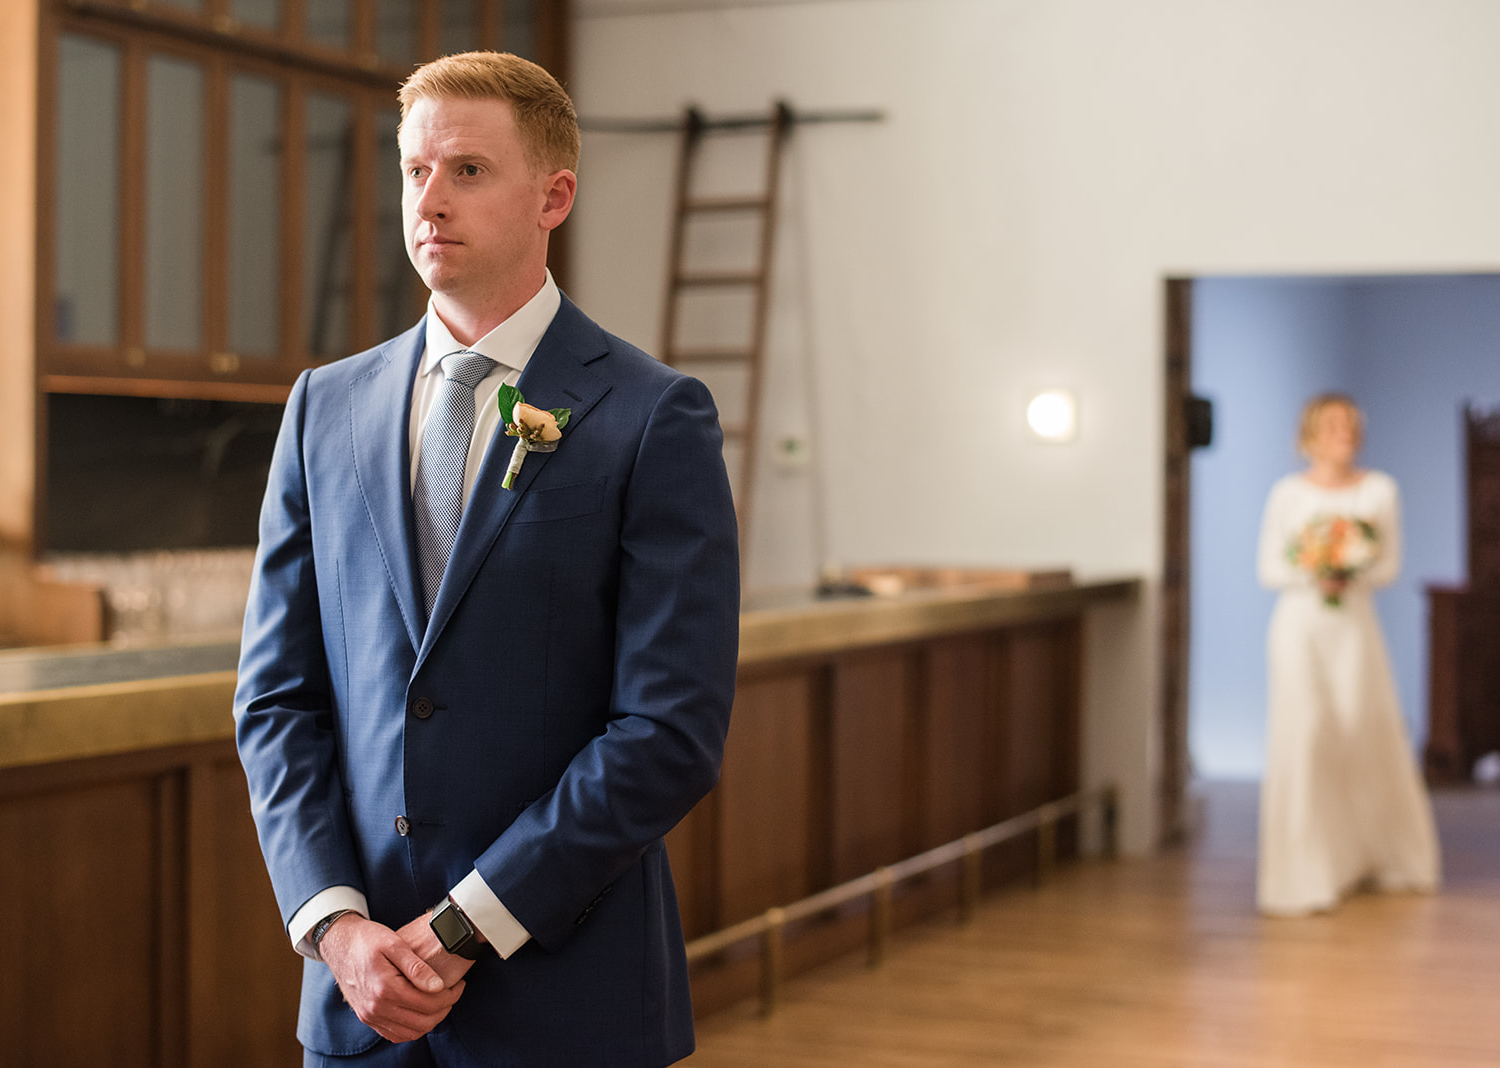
[727,204]
[726,355]
[721,278]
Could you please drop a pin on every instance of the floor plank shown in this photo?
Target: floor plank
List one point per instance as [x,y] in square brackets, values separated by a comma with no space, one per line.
[1164,963]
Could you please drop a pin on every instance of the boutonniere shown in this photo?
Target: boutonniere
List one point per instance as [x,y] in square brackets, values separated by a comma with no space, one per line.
[535,429]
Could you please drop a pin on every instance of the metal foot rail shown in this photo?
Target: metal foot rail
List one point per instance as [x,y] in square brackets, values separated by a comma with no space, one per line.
[879,885]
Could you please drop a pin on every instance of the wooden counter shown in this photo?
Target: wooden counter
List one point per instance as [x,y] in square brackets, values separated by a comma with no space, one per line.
[87,701]
[864,730]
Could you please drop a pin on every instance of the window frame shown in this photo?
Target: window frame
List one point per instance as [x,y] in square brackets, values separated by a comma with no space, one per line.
[225,48]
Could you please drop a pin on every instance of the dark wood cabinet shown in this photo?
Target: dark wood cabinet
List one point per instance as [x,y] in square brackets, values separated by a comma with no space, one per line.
[1463,711]
[1463,716]
[206,203]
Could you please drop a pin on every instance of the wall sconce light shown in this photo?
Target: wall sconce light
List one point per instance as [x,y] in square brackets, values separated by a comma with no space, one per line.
[1052,415]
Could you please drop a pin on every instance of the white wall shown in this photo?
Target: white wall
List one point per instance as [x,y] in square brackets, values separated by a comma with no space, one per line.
[1044,165]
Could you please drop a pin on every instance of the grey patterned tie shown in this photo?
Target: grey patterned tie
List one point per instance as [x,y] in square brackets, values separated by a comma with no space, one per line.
[438,500]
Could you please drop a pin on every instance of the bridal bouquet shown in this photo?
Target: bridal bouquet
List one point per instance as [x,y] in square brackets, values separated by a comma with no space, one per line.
[1335,547]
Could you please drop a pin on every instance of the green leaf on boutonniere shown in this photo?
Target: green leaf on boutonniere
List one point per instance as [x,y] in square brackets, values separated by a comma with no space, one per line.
[535,430]
[508,397]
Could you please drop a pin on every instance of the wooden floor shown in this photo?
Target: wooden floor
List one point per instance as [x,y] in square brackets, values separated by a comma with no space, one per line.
[1163,962]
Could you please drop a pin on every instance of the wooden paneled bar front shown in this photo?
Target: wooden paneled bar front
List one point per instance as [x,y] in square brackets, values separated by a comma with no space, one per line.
[864,731]
[870,730]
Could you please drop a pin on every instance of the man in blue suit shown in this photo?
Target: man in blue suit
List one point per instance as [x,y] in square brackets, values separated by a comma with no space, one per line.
[471,703]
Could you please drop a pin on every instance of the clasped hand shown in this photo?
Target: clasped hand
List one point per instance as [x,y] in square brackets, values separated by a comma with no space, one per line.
[400,983]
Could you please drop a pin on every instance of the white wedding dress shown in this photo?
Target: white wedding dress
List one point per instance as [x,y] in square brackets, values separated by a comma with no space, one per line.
[1341,801]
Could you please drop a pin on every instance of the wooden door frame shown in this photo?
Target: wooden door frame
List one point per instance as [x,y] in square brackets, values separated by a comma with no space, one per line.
[1176,572]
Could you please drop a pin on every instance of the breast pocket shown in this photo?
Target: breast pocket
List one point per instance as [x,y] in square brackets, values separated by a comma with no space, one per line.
[562,502]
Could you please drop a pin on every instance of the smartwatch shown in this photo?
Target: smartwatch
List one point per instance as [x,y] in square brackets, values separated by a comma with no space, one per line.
[454,931]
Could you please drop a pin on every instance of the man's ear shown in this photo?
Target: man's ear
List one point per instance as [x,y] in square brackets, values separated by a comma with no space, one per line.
[561,186]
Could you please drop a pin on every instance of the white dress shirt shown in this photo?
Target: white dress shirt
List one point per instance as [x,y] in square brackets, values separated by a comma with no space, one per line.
[510,345]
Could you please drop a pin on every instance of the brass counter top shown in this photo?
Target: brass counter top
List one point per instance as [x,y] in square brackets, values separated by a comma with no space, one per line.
[798,624]
[86,702]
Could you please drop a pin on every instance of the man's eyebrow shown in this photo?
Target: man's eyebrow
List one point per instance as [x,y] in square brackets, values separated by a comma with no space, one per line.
[451,158]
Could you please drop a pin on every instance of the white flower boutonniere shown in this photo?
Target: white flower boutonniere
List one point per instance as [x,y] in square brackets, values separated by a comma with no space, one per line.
[535,429]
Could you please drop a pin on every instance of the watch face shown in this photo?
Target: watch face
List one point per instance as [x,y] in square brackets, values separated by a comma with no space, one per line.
[450,927]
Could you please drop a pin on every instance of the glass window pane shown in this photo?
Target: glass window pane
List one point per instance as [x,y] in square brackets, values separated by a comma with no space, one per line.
[262,14]
[399,290]
[329,23]
[87,249]
[254,215]
[518,34]
[174,203]
[459,27]
[396,32]
[326,280]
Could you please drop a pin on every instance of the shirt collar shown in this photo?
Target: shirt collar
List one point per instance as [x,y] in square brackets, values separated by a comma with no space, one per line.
[510,344]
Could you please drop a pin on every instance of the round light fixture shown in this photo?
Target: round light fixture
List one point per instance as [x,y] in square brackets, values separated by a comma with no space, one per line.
[1052,415]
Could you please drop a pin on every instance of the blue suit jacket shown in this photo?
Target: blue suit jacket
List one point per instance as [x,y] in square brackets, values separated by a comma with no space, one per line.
[576,679]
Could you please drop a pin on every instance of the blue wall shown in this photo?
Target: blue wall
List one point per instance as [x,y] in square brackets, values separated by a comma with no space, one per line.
[1411,350]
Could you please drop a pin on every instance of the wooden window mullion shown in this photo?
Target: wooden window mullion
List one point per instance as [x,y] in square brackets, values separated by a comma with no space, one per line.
[553,33]
[132,204]
[216,220]
[428,28]
[362,273]
[365,54]
[490,32]
[294,22]
[294,354]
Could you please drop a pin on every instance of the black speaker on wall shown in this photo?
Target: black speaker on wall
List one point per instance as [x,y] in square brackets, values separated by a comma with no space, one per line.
[1199,412]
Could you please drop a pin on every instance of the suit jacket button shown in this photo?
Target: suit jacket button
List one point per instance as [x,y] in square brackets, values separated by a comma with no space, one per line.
[403,826]
[421,707]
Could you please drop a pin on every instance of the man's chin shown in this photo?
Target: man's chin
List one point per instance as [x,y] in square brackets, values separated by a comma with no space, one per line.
[438,278]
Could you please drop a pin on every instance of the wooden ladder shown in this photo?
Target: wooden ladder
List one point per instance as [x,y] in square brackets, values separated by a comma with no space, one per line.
[754,282]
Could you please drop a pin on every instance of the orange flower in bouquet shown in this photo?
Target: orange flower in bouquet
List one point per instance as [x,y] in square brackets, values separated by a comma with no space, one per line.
[1335,547]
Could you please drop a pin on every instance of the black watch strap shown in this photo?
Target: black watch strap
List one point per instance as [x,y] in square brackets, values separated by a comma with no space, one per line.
[454,931]
[322,928]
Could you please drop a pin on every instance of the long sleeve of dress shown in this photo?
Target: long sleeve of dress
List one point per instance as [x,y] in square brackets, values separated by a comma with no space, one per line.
[1272,566]
[1387,520]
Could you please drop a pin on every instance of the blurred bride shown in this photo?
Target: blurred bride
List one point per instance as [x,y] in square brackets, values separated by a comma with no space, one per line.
[1342,805]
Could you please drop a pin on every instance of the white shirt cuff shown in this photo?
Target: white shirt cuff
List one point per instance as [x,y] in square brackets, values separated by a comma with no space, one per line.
[323,903]
[493,920]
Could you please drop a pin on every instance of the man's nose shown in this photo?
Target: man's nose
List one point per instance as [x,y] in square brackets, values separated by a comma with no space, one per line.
[432,202]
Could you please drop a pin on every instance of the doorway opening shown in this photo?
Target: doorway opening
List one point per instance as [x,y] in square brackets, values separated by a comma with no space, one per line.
[1412,350]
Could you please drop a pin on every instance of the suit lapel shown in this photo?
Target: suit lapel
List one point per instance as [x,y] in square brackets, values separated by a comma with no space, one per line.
[379,415]
[556,376]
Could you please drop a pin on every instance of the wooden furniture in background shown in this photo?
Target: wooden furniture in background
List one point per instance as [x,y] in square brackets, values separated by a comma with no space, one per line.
[1463,683]
[1482,481]
[36,609]
[77,202]
[868,731]
[42,612]
[1463,711]
[864,731]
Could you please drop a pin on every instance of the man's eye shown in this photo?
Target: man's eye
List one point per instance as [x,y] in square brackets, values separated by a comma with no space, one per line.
[414,172]
[470,170]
